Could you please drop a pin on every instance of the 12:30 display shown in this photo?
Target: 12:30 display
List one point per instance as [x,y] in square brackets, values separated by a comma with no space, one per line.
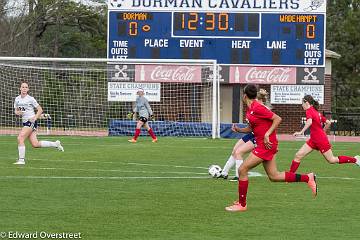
[212,21]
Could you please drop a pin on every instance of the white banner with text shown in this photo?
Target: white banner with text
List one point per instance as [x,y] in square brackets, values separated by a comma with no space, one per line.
[293,94]
[126,91]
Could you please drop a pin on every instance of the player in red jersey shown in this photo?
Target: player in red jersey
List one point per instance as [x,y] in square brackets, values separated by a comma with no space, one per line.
[318,139]
[245,145]
[263,123]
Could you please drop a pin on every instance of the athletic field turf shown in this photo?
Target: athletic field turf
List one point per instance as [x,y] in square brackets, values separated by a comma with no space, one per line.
[107,188]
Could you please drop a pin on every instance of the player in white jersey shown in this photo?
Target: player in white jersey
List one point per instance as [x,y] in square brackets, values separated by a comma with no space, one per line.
[245,145]
[24,106]
[143,110]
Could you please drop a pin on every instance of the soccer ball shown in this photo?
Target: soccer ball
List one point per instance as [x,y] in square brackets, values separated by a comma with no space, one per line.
[215,171]
[116,3]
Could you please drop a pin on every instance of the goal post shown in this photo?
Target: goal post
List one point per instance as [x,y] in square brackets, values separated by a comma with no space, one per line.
[92,97]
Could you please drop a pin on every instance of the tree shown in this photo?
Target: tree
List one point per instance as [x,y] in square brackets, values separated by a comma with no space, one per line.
[343,37]
[53,28]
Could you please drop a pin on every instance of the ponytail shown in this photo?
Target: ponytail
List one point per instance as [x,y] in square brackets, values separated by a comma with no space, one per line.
[262,95]
[316,105]
[312,102]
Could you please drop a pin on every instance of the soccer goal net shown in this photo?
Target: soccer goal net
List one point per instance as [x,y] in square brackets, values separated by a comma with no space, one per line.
[93,97]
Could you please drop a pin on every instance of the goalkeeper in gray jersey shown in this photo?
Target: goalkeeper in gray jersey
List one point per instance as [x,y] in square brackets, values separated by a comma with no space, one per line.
[143,111]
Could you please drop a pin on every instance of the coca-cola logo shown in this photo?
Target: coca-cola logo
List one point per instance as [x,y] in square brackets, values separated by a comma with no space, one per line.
[274,75]
[178,74]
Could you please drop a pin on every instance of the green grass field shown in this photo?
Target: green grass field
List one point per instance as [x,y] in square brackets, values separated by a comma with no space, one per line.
[107,188]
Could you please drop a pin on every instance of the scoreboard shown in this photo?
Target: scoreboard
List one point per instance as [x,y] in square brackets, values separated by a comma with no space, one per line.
[239,32]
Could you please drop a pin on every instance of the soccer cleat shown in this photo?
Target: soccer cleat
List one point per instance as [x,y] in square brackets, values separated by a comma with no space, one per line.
[236,207]
[357,157]
[235,179]
[154,140]
[223,176]
[58,146]
[132,140]
[20,162]
[312,183]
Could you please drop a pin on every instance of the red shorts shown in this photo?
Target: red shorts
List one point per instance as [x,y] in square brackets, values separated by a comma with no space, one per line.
[265,154]
[322,146]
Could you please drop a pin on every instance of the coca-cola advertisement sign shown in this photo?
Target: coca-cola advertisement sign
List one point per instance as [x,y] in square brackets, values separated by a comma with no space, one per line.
[168,73]
[262,75]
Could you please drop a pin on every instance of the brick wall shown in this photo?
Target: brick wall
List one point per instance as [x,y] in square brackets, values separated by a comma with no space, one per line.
[291,114]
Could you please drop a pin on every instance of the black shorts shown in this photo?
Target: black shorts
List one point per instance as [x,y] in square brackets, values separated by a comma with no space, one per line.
[33,125]
[249,137]
[143,119]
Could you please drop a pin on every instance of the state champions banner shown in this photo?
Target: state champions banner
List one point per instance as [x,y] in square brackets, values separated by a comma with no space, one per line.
[293,94]
[126,91]
[284,6]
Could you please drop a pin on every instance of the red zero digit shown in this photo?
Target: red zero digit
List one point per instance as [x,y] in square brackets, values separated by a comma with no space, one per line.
[133,28]
[223,21]
[310,31]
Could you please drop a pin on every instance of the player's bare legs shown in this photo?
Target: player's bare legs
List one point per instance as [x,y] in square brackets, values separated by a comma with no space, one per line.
[33,140]
[43,144]
[329,156]
[303,152]
[23,135]
[251,162]
[276,176]
[139,124]
[239,153]
[231,161]
[241,150]
[238,144]
[151,132]
[236,158]
[272,171]
[273,174]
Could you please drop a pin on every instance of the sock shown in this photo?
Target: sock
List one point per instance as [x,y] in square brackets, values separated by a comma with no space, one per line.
[21,152]
[238,163]
[294,166]
[346,159]
[228,165]
[152,134]
[293,177]
[137,133]
[44,144]
[242,188]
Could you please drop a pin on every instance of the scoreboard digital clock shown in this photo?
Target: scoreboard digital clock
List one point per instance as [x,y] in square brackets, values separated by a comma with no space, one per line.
[288,37]
[216,25]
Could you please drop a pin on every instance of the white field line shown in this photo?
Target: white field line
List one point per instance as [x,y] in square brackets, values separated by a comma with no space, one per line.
[121,163]
[94,178]
[133,178]
[341,178]
[251,174]
[131,146]
[104,170]
[229,148]
[122,139]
